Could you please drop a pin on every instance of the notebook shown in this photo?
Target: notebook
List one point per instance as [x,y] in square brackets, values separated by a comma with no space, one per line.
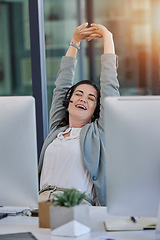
[127,224]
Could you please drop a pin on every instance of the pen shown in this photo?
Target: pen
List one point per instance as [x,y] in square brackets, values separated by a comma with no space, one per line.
[133,219]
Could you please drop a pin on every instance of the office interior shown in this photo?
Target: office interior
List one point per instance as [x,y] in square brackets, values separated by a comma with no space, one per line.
[34,35]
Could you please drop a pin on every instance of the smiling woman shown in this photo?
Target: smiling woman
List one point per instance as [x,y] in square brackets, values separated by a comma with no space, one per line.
[84,104]
[82,108]
[73,153]
[69,94]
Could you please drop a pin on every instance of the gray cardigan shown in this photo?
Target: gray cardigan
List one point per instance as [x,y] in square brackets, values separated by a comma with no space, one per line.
[92,134]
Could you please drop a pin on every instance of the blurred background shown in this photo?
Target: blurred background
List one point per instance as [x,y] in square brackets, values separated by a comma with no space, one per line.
[135,25]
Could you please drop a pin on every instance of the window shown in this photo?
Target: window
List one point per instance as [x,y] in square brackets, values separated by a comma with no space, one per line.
[15,62]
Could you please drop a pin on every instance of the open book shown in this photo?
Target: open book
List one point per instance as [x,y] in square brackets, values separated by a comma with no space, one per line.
[129,224]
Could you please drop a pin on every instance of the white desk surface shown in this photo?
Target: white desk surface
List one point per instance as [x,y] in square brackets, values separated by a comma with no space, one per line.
[14,224]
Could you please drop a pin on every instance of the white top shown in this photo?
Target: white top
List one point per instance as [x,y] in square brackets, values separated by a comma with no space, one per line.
[63,164]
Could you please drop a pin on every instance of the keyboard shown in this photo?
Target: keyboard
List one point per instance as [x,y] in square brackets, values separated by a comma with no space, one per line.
[13,210]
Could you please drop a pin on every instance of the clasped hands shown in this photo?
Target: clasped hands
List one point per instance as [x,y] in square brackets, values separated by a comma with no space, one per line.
[94,31]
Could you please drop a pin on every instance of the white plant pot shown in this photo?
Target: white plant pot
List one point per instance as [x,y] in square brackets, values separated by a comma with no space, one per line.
[69,221]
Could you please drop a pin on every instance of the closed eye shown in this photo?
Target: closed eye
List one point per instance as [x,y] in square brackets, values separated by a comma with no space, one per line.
[78,94]
[92,99]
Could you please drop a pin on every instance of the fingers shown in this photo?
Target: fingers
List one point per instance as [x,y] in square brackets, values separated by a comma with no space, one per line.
[92,36]
[94,31]
[76,37]
[83,25]
[102,30]
[94,25]
[88,30]
[97,26]
[90,33]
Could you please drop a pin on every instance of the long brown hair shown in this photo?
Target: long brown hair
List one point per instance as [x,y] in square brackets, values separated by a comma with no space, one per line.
[65,121]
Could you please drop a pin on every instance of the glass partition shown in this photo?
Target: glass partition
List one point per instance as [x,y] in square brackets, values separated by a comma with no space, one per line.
[136,29]
[15,62]
[60,20]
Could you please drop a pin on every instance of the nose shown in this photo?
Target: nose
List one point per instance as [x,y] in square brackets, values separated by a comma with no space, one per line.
[83,99]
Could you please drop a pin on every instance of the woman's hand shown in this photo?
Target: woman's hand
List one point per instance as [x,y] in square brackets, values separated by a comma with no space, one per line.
[79,34]
[95,31]
[99,31]
[107,36]
[83,33]
[77,37]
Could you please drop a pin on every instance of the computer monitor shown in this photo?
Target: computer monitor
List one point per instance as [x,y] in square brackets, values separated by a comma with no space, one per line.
[132,140]
[18,152]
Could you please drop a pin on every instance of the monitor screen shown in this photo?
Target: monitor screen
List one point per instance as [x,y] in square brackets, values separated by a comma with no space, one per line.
[132,139]
[18,152]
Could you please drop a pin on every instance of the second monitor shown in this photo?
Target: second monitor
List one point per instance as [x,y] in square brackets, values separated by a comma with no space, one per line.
[132,134]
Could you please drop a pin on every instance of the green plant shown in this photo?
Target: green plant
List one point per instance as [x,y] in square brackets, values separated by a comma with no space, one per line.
[69,198]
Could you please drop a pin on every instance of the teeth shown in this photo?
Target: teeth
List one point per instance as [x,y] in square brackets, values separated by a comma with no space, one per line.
[80,106]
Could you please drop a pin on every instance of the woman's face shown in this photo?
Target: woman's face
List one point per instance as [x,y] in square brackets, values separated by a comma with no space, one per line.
[84,103]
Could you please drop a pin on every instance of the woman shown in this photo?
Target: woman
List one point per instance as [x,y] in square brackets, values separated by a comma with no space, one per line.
[73,155]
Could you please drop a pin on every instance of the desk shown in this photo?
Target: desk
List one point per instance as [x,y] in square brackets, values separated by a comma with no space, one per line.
[13,224]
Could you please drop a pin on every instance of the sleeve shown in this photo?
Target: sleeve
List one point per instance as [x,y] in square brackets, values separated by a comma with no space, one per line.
[108,82]
[63,82]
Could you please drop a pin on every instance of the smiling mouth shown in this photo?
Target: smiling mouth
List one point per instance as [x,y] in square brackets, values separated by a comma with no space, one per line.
[81,107]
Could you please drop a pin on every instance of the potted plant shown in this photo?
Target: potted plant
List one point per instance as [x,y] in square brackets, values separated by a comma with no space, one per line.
[68,217]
